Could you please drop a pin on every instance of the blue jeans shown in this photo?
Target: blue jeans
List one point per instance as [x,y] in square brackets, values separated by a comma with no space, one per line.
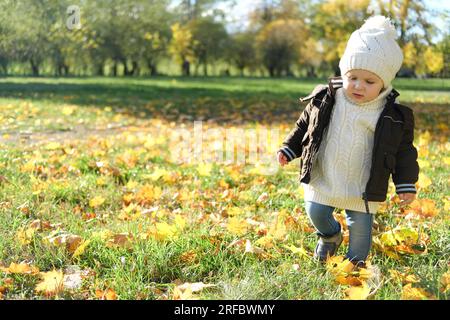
[359,225]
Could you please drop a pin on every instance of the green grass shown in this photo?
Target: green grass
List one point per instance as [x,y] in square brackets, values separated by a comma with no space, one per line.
[150,109]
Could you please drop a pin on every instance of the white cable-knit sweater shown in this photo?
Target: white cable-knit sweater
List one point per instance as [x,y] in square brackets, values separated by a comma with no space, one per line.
[342,167]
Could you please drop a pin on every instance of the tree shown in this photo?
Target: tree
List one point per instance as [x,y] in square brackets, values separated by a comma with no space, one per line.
[181,47]
[434,60]
[278,44]
[209,41]
[333,23]
[241,51]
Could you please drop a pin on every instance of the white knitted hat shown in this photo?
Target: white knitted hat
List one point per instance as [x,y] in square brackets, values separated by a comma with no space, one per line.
[373,47]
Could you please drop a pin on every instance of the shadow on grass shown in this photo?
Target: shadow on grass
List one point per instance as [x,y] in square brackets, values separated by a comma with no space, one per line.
[153,100]
[220,99]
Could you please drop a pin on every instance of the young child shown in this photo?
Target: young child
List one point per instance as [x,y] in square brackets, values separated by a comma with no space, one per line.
[351,137]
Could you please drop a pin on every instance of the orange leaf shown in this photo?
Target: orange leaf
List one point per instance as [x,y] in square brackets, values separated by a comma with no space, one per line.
[108,294]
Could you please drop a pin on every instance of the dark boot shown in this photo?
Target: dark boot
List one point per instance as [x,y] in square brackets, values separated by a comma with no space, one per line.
[327,246]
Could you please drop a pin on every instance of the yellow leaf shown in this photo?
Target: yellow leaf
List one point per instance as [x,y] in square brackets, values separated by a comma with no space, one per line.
[101,181]
[234,211]
[20,268]
[204,169]
[300,251]
[424,138]
[180,221]
[148,194]
[348,280]
[96,201]
[358,293]
[68,110]
[103,234]
[410,293]
[424,181]
[131,184]
[25,235]
[52,284]
[158,173]
[445,282]
[162,231]
[423,163]
[338,265]
[403,277]
[237,226]
[81,248]
[265,242]
[53,146]
[447,204]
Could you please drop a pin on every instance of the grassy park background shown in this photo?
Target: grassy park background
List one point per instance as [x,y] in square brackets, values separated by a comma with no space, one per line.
[94,205]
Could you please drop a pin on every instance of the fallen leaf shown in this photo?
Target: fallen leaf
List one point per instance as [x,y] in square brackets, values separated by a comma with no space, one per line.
[52,283]
[108,294]
[404,277]
[20,268]
[237,226]
[70,241]
[262,198]
[119,240]
[358,293]
[96,202]
[81,248]
[411,293]
[195,287]
[445,282]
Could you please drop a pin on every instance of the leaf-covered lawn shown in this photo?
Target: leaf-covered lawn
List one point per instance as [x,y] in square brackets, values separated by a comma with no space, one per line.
[96,201]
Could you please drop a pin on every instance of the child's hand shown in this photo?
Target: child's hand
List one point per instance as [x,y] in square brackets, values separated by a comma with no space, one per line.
[406,198]
[282,159]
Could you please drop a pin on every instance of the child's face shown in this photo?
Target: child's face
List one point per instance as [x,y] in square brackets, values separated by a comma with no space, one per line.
[362,85]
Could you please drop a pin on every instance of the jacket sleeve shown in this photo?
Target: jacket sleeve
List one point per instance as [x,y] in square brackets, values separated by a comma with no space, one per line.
[291,146]
[407,168]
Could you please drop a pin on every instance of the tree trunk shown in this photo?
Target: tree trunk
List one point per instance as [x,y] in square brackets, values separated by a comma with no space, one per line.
[100,71]
[135,68]
[205,69]
[310,72]
[152,67]
[115,69]
[126,72]
[186,68]
[34,68]
[5,68]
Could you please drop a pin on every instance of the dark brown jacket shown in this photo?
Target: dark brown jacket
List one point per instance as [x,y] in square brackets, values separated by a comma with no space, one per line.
[393,149]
